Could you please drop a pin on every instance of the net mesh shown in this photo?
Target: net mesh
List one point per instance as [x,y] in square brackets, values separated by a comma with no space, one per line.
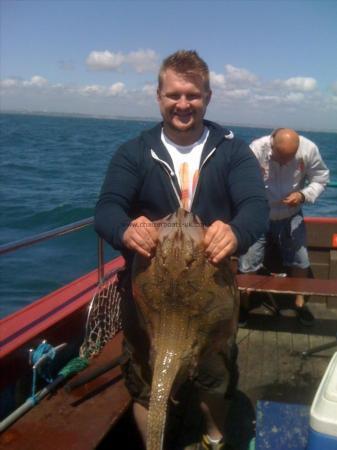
[103,320]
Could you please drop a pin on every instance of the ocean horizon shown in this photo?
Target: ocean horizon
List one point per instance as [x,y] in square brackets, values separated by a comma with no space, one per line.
[52,168]
[150,119]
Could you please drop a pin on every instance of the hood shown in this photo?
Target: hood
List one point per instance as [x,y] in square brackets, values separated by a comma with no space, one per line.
[217,135]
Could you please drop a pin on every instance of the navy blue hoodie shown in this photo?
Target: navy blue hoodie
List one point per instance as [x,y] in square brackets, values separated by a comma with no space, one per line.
[141,181]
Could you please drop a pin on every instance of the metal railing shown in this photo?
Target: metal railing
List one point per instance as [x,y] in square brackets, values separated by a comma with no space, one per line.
[70,228]
[57,232]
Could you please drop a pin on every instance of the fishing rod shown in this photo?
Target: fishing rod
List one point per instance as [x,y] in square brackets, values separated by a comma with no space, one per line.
[40,357]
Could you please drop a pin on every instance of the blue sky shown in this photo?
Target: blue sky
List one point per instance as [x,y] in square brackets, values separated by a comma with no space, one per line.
[272,63]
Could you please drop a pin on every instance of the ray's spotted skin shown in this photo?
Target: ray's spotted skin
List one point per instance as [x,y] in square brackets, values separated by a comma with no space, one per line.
[189,308]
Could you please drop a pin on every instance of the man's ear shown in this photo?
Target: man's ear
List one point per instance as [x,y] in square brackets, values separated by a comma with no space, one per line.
[208,97]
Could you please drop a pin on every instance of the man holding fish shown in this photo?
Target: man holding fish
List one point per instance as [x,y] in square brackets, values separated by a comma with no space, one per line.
[184,164]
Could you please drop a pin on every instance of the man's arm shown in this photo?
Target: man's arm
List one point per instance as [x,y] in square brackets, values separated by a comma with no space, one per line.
[119,190]
[317,174]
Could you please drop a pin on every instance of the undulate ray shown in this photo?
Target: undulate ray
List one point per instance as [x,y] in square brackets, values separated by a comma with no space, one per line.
[189,308]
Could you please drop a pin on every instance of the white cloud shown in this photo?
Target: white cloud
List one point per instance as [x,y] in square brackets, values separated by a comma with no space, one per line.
[9,83]
[93,89]
[20,86]
[217,80]
[267,98]
[233,79]
[238,93]
[140,61]
[240,86]
[37,81]
[104,91]
[58,86]
[234,85]
[143,60]
[116,89]
[150,89]
[295,97]
[279,99]
[304,84]
[334,87]
[238,75]
[104,60]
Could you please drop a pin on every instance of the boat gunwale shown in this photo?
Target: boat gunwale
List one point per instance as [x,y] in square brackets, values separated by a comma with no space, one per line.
[43,313]
[51,309]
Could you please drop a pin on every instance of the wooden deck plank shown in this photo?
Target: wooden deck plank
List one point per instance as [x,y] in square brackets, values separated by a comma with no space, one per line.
[285,362]
[284,339]
[270,359]
[315,341]
[243,344]
[253,364]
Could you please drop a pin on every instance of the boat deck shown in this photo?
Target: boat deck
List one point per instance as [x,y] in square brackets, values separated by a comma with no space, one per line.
[271,368]
[271,364]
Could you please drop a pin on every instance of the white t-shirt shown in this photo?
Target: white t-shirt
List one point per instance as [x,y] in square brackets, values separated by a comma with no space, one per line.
[186,161]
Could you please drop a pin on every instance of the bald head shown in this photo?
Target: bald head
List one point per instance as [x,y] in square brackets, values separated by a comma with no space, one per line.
[284,145]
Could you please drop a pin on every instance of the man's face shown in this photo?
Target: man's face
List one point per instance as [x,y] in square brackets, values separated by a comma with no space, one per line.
[182,101]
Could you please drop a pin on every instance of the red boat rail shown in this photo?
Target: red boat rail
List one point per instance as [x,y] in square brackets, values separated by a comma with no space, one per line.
[23,325]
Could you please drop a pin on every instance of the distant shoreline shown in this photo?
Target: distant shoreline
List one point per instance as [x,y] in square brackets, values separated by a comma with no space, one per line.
[140,119]
[78,115]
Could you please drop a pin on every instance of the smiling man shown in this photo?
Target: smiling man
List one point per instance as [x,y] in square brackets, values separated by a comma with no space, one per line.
[183,99]
[188,162]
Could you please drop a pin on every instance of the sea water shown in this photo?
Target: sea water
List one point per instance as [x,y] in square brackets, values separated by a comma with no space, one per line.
[52,169]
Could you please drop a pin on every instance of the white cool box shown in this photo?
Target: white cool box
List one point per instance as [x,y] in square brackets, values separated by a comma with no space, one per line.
[323,413]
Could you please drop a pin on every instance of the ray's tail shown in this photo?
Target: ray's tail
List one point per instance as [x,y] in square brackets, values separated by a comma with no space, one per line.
[172,346]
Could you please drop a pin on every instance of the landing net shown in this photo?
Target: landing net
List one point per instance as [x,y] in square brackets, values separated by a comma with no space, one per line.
[103,320]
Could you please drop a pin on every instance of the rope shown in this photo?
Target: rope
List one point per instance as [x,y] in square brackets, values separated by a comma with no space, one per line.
[74,365]
[47,352]
[44,349]
[102,323]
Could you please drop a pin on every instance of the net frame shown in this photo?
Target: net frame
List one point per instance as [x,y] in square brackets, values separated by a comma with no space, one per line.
[103,318]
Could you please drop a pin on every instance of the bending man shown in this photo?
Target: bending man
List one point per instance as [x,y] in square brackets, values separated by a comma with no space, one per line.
[294,173]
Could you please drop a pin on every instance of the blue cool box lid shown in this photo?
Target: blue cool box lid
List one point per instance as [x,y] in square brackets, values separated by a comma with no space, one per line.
[281,426]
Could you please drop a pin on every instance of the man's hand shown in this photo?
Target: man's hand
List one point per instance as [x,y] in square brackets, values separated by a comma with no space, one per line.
[219,241]
[294,199]
[141,236]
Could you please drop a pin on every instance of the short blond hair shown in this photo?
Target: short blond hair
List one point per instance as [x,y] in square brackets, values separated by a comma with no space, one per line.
[186,62]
